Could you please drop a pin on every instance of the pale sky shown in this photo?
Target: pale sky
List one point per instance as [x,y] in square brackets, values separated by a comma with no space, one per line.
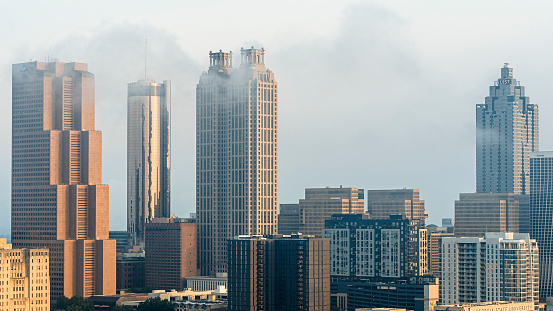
[372,94]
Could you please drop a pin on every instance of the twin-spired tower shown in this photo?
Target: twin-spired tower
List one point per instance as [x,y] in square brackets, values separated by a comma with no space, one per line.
[236,154]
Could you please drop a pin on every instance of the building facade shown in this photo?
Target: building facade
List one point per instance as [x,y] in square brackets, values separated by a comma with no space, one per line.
[435,251]
[506,133]
[236,154]
[122,240]
[148,155]
[414,293]
[171,251]
[24,279]
[383,203]
[499,267]
[541,215]
[58,199]
[478,213]
[376,249]
[131,273]
[279,273]
[309,215]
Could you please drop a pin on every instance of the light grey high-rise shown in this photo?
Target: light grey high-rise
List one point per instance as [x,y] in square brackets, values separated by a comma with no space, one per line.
[236,154]
[541,215]
[506,133]
[148,155]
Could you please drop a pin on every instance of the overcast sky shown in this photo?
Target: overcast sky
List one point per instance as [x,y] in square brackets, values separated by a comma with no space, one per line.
[372,94]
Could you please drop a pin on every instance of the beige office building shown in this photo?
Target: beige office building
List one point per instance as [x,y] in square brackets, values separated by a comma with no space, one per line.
[434,251]
[319,205]
[383,203]
[58,199]
[236,154]
[24,279]
[148,155]
[478,213]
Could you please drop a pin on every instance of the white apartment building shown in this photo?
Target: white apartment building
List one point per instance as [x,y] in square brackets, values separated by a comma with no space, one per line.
[498,267]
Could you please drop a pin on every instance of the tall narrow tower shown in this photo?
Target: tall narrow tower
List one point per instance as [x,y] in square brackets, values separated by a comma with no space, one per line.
[58,200]
[148,155]
[236,154]
[506,133]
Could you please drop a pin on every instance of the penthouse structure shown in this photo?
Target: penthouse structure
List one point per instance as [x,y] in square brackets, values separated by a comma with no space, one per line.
[58,199]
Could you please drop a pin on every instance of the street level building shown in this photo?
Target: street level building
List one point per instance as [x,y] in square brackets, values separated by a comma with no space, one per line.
[478,213]
[236,154]
[170,251]
[279,273]
[414,293]
[489,306]
[309,215]
[58,199]
[541,215]
[24,279]
[148,155]
[506,133]
[376,249]
[383,203]
[499,267]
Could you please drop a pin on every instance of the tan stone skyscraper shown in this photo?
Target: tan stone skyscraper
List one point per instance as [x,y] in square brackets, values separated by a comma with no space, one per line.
[148,155]
[58,200]
[236,154]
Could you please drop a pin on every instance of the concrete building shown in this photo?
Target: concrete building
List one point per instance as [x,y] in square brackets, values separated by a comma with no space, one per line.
[448,222]
[122,240]
[24,279]
[478,213]
[506,133]
[435,250]
[541,215]
[319,205]
[131,272]
[383,203]
[236,154]
[203,283]
[170,252]
[414,293]
[148,155]
[376,249]
[58,199]
[279,273]
[489,306]
[289,219]
[499,267]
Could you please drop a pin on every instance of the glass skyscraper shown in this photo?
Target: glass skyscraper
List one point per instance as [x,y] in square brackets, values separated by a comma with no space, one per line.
[236,154]
[541,215]
[506,133]
[148,155]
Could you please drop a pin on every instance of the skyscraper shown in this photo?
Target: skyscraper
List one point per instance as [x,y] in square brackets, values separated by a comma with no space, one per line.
[148,155]
[58,200]
[541,215]
[236,154]
[506,133]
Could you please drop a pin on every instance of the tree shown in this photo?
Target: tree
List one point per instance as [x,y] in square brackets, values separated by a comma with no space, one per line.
[76,303]
[155,304]
[122,308]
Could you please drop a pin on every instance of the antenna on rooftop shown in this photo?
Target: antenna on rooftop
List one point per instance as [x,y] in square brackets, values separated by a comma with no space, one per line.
[146,59]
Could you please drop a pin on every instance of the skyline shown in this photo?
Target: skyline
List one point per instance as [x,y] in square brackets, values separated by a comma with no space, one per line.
[408,84]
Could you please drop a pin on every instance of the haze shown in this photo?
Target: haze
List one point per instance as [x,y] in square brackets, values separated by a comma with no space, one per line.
[373,94]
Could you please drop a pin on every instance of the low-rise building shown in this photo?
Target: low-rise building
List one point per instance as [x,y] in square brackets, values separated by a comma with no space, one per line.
[489,306]
[24,278]
[203,283]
